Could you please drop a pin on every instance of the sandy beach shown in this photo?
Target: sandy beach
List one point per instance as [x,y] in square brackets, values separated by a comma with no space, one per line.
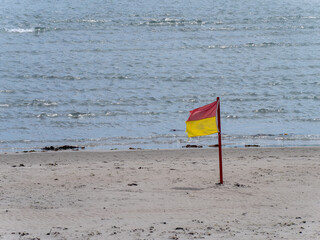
[269,193]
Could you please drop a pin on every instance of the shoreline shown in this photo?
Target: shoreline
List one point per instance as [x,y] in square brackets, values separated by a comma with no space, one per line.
[77,148]
[174,142]
[268,193]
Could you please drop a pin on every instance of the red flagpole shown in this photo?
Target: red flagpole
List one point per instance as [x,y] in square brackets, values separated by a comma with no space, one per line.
[220,145]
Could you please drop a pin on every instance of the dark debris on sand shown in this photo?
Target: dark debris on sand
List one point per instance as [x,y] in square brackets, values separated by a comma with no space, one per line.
[192,146]
[64,147]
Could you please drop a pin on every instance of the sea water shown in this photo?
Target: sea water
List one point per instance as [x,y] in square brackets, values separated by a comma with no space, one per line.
[117,74]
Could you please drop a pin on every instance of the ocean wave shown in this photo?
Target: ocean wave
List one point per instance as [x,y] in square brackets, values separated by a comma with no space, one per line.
[26,30]
[169,22]
[7,91]
[298,17]
[40,103]
[94,20]
[265,136]
[20,30]
[80,115]
[191,100]
[135,21]
[270,110]
[246,45]
[246,99]
[33,103]
[125,140]
[255,45]
[302,97]
[232,117]
[147,113]
[255,136]
[116,113]
[45,76]
[234,27]
[215,29]
[47,115]
[297,137]
[309,119]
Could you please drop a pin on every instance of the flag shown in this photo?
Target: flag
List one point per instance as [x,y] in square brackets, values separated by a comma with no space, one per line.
[202,121]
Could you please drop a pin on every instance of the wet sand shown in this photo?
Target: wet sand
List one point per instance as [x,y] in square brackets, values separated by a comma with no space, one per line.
[269,193]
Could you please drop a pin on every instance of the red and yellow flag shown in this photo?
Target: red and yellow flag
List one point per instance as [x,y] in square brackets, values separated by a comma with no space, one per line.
[202,121]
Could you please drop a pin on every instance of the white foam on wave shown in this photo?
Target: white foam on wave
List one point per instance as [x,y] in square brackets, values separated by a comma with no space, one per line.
[20,30]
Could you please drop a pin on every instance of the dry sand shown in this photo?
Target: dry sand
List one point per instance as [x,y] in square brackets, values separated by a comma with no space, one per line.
[269,193]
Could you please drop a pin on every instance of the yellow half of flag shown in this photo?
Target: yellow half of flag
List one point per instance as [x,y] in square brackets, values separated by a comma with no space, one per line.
[202,127]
